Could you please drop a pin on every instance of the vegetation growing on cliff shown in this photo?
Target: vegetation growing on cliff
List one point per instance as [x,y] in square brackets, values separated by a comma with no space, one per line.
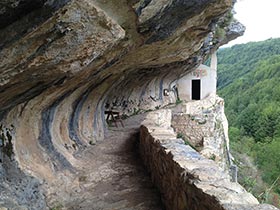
[248,80]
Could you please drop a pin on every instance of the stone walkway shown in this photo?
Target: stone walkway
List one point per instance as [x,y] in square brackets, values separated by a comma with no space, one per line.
[113,177]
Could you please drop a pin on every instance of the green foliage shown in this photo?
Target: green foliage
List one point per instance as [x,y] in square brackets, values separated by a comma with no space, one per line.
[136,111]
[268,160]
[226,20]
[234,133]
[57,207]
[220,33]
[237,61]
[148,110]
[249,183]
[178,101]
[213,157]
[221,27]
[124,116]
[248,80]
[243,144]
[182,136]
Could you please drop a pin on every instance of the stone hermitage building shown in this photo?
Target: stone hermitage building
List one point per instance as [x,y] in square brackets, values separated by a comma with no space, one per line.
[200,83]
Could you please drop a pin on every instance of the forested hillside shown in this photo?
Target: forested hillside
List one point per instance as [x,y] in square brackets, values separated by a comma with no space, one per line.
[239,60]
[249,81]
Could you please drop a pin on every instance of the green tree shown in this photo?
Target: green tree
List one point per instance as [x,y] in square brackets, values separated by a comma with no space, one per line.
[248,80]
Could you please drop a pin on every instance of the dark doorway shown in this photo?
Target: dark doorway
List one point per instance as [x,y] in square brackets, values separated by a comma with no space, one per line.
[196,89]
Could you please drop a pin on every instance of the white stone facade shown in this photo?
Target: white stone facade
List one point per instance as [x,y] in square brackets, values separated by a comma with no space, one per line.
[200,83]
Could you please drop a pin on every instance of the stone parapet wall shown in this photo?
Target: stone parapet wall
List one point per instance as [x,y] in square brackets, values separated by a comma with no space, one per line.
[185,179]
[204,126]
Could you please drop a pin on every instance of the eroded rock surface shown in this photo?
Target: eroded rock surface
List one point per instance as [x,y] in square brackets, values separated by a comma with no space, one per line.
[63,61]
[18,190]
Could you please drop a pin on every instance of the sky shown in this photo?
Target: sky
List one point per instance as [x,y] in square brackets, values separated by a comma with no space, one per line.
[261,18]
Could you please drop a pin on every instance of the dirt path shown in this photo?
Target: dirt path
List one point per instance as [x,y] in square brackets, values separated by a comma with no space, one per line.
[113,177]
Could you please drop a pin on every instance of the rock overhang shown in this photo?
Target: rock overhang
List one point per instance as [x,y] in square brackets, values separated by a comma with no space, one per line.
[57,75]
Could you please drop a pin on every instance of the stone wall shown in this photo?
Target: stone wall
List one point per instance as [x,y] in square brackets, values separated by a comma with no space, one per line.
[203,125]
[186,179]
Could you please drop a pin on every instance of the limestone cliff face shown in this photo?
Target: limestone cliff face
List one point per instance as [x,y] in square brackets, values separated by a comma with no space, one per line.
[63,61]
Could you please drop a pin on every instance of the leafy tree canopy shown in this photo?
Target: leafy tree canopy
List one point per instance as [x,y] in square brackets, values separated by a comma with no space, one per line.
[249,81]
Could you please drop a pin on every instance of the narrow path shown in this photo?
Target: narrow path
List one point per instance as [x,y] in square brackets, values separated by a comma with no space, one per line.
[113,177]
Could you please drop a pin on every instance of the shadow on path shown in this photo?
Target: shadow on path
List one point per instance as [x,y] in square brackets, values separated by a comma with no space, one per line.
[113,177]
